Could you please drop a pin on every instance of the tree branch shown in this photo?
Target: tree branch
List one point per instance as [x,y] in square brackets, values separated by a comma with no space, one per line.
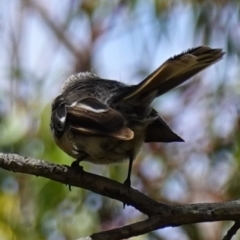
[160,215]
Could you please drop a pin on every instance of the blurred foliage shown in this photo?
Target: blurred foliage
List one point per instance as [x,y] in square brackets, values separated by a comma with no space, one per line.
[43,42]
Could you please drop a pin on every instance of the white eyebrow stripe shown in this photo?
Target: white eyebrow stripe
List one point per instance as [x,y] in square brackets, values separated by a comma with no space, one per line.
[88,108]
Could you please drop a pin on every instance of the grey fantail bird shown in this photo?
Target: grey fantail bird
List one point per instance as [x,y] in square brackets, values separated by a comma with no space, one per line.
[106,121]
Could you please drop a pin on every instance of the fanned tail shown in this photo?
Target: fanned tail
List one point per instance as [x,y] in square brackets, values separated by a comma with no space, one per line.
[175,71]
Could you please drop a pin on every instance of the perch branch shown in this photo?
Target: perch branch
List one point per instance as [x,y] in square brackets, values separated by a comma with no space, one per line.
[160,215]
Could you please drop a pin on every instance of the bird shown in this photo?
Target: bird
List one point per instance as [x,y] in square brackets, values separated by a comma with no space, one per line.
[105,121]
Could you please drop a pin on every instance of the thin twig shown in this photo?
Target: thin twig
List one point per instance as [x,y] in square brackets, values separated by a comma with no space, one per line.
[232,231]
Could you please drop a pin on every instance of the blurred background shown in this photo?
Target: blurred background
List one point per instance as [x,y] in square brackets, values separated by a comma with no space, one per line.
[43,42]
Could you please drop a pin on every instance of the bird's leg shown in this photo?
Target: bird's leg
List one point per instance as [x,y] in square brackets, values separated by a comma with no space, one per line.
[77,167]
[75,164]
[127,182]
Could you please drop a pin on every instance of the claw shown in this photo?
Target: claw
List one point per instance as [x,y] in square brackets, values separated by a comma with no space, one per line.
[127,183]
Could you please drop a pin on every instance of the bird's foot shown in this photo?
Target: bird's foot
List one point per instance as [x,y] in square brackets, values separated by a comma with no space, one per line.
[127,183]
[75,165]
[77,168]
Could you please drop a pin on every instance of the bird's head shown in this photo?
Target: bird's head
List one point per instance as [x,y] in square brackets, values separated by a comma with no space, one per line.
[75,79]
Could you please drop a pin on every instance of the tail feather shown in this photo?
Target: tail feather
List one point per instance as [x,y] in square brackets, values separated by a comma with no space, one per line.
[159,131]
[175,71]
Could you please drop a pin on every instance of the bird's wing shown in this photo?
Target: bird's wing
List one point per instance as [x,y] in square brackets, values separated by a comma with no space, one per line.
[90,117]
[175,71]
